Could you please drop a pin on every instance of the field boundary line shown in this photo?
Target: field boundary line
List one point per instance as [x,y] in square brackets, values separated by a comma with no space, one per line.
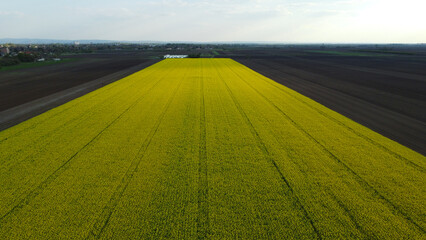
[103,219]
[359,179]
[397,155]
[62,168]
[203,221]
[266,153]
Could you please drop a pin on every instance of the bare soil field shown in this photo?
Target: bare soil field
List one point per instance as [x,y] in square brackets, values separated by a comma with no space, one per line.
[385,92]
[24,85]
[26,93]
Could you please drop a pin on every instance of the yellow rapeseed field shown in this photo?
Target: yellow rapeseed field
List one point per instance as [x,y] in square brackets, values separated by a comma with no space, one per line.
[207,149]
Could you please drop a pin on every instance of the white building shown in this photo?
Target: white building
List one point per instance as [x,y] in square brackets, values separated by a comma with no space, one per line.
[175,56]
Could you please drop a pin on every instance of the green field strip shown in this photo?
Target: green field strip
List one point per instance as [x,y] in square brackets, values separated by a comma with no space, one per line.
[205,149]
[387,166]
[26,65]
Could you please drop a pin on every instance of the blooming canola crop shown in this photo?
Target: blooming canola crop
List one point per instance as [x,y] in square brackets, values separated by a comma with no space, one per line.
[208,149]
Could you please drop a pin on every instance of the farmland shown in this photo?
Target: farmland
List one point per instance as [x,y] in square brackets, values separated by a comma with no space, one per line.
[27,92]
[383,90]
[23,85]
[208,149]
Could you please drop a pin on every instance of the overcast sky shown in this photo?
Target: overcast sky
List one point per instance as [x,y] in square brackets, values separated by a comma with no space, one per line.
[304,21]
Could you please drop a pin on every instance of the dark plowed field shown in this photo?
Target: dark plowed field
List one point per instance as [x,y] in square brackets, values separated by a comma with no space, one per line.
[384,93]
[21,86]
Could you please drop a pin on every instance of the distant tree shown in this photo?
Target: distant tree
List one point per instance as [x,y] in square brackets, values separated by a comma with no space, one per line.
[8,61]
[194,55]
[25,57]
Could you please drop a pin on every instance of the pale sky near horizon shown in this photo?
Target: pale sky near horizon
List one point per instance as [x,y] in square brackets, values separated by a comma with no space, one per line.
[288,21]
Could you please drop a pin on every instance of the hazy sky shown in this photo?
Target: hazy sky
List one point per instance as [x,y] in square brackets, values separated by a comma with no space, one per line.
[217,20]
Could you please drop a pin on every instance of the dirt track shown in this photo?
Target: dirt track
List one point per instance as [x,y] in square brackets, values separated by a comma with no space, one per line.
[390,100]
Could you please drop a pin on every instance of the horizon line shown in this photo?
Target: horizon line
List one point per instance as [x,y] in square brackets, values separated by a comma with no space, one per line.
[89,41]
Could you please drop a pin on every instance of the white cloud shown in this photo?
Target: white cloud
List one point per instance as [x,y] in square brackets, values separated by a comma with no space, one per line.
[230,20]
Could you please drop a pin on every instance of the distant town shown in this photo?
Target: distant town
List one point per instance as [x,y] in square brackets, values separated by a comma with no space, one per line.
[13,54]
[16,53]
